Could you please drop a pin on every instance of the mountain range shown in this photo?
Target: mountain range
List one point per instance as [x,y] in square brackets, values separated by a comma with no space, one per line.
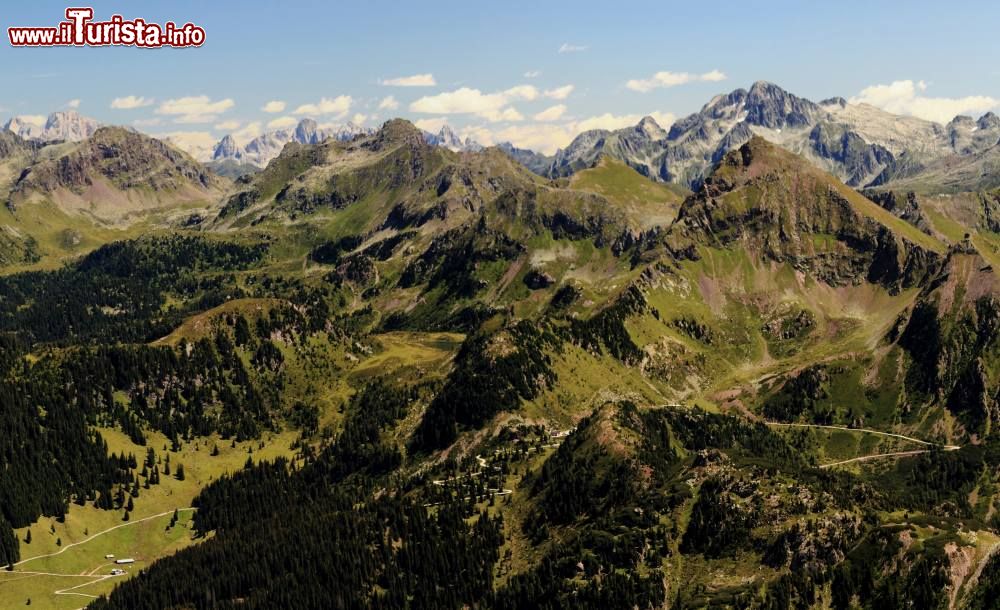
[66,126]
[265,147]
[860,144]
[750,360]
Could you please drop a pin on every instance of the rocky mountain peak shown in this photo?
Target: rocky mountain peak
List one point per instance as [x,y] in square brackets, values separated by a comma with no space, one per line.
[988,121]
[307,132]
[651,129]
[768,105]
[962,120]
[226,149]
[396,131]
[444,137]
[67,126]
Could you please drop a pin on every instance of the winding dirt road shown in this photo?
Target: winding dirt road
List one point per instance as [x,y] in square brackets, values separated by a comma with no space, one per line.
[101,533]
[877,456]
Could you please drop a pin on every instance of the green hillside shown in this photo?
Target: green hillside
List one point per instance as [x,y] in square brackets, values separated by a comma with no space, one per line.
[437,380]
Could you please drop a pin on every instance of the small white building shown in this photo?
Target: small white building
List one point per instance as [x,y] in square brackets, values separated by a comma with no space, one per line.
[109,556]
[117,572]
[124,561]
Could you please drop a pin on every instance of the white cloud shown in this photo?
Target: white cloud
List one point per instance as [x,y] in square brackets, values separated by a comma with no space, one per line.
[552,113]
[73,104]
[130,102]
[274,107]
[146,122]
[904,97]
[195,109]
[432,125]
[198,144]
[490,106]
[672,79]
[228,125]
[571,48]
[532,74]
[284,122]
[611,121]
[388,103]
[546,137]
[338,106]
[250,131]
[359,119]
[417,80]
[559,93]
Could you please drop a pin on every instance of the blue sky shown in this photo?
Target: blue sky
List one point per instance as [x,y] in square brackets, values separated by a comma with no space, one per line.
[496,68]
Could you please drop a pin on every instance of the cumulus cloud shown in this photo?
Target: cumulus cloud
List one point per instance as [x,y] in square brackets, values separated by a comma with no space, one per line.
[559,93]
[338,107]
[552,113]
[612,121]
[388,103]
[274,107]
[228,125]
[571,48]
[547,137]
[532,74]
[195,109]
[284,122]
[359,118]
[73,104]
[433,125]
[250,131]
[417,80]
[490,106]
[672,79]
[130,102]
[198,144]
[907,97]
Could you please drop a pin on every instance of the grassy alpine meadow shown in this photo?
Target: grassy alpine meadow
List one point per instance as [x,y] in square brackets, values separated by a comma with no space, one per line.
[441,342]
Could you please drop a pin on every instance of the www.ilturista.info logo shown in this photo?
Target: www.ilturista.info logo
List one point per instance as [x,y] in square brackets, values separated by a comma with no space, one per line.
[80,30]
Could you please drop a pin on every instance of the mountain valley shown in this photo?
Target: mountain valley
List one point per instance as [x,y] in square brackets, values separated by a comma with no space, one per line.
[748,360]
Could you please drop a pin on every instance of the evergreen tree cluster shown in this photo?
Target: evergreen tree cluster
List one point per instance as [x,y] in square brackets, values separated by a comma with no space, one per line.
[493,372]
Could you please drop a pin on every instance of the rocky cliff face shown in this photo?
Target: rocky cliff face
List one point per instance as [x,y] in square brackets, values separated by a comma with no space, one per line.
[66,126]
[126,158]
[639,147]
[227,149]
[117,168]
[950,335]
[859,144]
[775,206]
[11,144]
[264,148]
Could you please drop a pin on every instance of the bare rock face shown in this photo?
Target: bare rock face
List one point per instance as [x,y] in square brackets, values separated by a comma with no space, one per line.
[905,206]
[779,208]
[861,145]
[123,160]
[66,126]
[537,280]
[263,149]
[227,149]
[768,105]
